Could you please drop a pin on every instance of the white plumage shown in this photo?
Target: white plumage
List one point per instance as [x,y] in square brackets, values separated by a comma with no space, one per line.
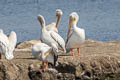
[1,31]
[51,38]
[77,36]
[54,25]
[7,45]
[12,41]
[44,53]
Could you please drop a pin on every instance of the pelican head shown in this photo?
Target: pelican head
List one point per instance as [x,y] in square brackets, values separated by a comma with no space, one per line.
[41,20]
[59,12]
[9,56]
[73,18]
[58,15]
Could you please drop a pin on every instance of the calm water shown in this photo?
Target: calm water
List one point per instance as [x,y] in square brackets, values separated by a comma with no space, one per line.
[100,18]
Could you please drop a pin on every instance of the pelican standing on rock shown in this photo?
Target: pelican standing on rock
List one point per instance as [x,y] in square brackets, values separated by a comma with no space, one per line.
[12,41]
[54,25]
[77,36]
[51,38]
[44,53]
[7,44]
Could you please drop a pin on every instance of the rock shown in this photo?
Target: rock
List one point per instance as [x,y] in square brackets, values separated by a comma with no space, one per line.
[50,74]
[33,73]
[98,67]
[100,61]
[26,44]
[2,72]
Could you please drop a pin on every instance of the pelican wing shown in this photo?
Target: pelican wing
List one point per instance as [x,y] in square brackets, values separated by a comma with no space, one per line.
[4,43]
[58,39]
[12,40]
[52,58]
[50,25]
[68,38]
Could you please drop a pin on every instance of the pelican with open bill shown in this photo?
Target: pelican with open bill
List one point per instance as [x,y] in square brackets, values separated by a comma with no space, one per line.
[76,37]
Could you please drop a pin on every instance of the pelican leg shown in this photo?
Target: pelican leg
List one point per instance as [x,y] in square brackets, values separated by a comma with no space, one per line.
[71,49]
[78,54]
[42,65]
[46,65]
[0,56]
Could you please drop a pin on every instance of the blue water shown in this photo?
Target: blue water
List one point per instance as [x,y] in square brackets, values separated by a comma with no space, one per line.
[99,18]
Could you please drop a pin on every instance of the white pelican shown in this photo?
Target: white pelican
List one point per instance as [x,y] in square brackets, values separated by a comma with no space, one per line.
[54,25]
[44,53]
[77,36]
[51,38]
[1,31]
[6,46]
[12,41]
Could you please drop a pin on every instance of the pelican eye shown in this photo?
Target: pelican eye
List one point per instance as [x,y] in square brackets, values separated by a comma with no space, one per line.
[74,19]
[58,14]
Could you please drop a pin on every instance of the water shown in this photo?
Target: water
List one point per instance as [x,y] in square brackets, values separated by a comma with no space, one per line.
[99,18]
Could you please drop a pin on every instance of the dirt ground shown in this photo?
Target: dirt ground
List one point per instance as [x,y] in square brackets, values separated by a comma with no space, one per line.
[99,58]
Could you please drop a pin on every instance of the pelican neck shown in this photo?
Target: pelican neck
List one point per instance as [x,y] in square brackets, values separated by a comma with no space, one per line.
[74,24]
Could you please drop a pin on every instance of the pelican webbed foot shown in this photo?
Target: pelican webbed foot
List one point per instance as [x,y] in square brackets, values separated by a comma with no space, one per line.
[78,54]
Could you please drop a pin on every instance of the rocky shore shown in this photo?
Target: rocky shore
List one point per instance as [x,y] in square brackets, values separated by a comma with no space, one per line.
[100,61]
